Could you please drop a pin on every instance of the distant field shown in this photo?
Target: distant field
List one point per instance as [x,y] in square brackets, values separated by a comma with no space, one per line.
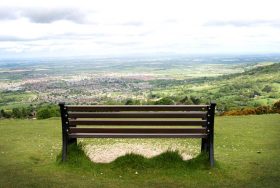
[234,82]
[247,154]
[16,99]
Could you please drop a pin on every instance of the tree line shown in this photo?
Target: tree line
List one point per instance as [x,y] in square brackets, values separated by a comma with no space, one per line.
[40,112]
[51,110]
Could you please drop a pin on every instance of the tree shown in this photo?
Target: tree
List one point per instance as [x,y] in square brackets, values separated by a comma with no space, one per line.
[132,102]
[48,111]
[195,100]
[16,113]
[267,89]
[186,100]
[164,101]
[2,113]
[129,102]
[24,113]
[6,114]
[43,114]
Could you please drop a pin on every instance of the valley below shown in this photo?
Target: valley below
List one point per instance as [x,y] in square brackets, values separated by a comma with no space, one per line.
[233,81]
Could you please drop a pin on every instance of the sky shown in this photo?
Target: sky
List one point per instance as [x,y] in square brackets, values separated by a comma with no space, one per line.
[128,27]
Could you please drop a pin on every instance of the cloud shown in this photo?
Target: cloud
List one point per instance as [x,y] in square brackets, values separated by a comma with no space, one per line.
[68,36]
[8,13]
[50,15]
[42,15]
[12,38]
[244,23]
[124,26]
[132,23]
[130,44]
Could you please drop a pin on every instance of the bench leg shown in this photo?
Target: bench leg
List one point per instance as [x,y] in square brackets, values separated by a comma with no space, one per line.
[72,141]
[203,145]
[64,147]
[204,142]
[66,142]
[207,146]
[211,151]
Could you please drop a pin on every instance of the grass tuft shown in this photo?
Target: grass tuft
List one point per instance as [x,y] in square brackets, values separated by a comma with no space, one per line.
[130,161]
[76,158]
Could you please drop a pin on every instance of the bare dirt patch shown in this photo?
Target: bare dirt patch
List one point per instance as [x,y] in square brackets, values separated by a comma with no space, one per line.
[108,153]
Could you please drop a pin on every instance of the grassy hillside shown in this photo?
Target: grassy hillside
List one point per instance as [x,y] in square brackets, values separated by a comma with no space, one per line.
[246,149]
[254,87]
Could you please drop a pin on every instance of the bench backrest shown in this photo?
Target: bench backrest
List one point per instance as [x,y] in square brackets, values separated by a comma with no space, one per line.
[194,121]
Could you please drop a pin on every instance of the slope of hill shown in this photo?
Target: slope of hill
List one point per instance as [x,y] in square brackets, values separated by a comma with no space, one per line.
[254,87]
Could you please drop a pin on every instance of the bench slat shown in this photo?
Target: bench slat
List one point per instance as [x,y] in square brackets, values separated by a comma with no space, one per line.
[137,122]
[137,135]
[136,130]
[111,108]
[137,114]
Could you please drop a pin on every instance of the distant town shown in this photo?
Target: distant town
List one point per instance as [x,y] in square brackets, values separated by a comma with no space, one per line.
[141,81]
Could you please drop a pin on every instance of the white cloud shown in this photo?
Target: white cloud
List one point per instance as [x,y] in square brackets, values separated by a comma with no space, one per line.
[121,27]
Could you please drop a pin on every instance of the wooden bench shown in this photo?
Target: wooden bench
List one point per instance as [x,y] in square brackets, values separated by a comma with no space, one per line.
[139,121]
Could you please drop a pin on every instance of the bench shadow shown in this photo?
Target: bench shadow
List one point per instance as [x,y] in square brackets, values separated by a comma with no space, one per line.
[76,158]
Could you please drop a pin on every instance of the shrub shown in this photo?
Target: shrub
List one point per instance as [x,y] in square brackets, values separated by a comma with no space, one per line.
[45,112]
[6,113]
[195,100]
[276,107]
[164,101]
[17,113]
[249,111]
[263,110]
[132,102]
[267,89]
[186,100]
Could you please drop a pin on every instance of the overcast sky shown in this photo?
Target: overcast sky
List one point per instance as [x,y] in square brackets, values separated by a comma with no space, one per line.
[127,27]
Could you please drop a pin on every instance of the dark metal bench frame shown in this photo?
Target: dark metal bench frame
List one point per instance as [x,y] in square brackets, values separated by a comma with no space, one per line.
[138,115]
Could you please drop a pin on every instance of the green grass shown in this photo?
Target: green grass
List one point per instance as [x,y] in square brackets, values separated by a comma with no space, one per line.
[246,151]
[14,99]
[232,91]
